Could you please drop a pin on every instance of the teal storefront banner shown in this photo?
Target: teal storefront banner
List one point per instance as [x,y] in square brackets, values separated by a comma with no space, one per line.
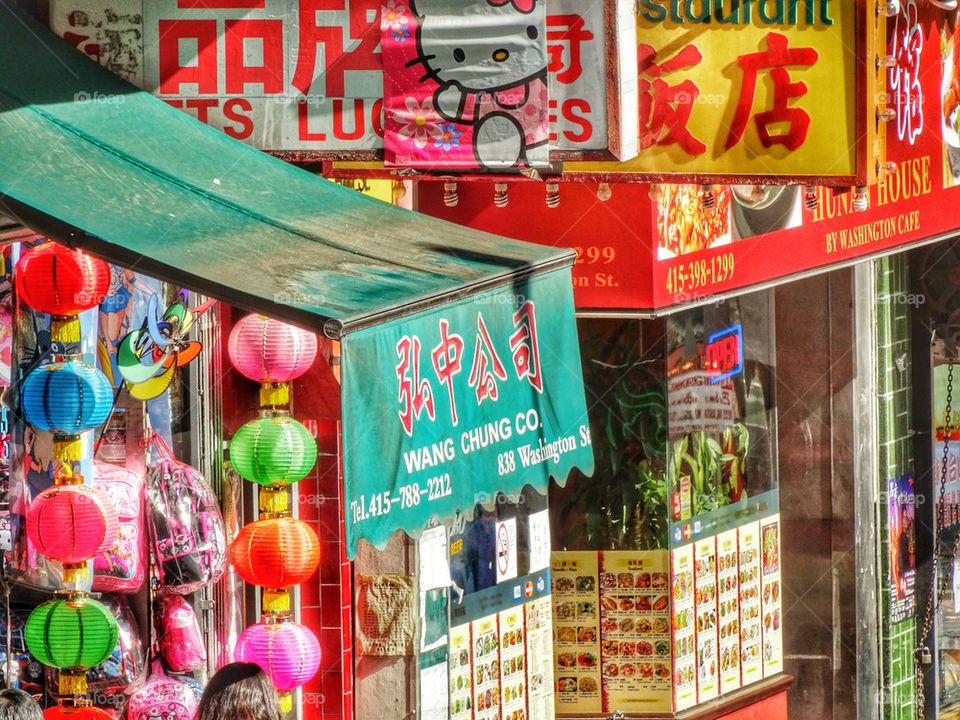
[444,409]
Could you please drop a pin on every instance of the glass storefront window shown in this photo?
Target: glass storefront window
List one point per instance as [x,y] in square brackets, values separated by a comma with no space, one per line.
[721,439]
[682,414]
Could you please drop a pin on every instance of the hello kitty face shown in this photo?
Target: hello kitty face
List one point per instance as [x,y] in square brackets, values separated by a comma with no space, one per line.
[481,44]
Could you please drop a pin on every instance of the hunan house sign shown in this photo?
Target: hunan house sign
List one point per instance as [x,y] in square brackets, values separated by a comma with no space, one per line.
[746,88]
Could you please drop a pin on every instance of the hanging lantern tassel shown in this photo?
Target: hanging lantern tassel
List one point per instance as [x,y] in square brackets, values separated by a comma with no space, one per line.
[274,395]
[286,702]
[276,601]
[65,329]
[67,449]
[73,683]
[76,576]
[274,500]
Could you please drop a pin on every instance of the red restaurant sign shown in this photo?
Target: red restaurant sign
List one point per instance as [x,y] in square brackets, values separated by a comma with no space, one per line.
[652,247]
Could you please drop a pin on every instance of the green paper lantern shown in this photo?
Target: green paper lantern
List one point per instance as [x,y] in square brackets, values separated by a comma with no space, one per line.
[71,634]
[273,450]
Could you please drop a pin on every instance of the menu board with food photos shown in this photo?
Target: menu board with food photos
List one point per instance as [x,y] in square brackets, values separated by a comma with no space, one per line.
[461,683]
[751,661]
[486,668]
[684,629]
[728,597]
[540,695]
[772,604]
[513,661]
[705,608]
[635,631]
[576,631]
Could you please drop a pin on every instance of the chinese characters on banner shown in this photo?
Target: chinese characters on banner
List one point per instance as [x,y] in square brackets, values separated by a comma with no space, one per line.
[904,76]
[307,75]
[764,90]
[465,83]
[444,410]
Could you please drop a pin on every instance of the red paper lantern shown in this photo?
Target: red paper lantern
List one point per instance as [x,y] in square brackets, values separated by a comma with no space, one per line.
[72,523]
[61,712]
[54,279]
[276,553]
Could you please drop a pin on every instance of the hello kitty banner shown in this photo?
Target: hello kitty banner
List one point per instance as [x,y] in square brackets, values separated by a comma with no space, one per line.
[465,84]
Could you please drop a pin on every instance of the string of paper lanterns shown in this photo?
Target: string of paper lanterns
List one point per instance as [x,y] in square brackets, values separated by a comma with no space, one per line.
[69,522]
[278,551]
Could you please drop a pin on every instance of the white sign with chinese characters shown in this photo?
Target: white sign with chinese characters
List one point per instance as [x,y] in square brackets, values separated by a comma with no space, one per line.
[306,75]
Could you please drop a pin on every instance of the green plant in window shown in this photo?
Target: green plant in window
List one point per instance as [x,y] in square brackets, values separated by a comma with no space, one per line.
[716,469]
[736,448]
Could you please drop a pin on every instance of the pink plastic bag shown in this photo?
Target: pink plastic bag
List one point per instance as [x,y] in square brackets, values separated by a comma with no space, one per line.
[121,569]
[181,643]
[162,697]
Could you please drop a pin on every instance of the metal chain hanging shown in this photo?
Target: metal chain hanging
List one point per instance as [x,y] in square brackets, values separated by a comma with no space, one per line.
[935,599]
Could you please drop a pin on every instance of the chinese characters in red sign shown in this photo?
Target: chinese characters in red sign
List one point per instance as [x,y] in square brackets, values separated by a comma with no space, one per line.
[668,100]
[777,58]
[665,109]
[415,393]
[905,74]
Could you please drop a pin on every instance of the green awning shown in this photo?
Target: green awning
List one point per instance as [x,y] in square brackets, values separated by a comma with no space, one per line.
[90,160]
[461,367]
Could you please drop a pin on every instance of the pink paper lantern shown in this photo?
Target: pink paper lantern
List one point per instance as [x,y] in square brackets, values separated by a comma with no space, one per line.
[269,351]
[72,523]
[287,651]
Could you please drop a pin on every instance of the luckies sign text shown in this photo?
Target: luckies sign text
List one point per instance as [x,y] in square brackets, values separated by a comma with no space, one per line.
[307,75]
[446,409]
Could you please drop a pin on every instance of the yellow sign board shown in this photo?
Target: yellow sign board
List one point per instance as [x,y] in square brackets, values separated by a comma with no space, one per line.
[746,88]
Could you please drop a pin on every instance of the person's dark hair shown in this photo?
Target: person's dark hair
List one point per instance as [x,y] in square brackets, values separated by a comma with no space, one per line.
[239,691]
[18,705]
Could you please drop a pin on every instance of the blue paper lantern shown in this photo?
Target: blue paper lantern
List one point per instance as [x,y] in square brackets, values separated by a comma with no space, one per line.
[66,398]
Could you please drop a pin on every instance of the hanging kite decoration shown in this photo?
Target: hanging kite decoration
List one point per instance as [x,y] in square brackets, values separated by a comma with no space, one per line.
[149,356]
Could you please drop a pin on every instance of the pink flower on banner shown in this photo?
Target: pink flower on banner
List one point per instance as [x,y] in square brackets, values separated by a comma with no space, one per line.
[420,122]
[524,6]
[396,18]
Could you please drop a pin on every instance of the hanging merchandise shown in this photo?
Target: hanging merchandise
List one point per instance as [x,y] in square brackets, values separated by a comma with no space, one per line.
[278,551]
[122,670]
[181,641]
[73,634]
[54,279]
[71,523]
[276,554]
[149,357]
[25,672]
[67,398]
[162,697]
[273,450]
[287,651]
[185,524]
[121,567]
[272,353]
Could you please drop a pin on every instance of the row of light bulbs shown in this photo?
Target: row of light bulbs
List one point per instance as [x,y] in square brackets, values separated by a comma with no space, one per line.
[501,194]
